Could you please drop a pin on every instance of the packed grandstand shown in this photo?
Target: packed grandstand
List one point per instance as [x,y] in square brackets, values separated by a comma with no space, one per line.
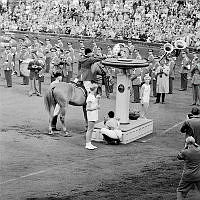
[146,20]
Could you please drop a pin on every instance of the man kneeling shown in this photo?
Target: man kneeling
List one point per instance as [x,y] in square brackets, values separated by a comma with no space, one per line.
[112,134]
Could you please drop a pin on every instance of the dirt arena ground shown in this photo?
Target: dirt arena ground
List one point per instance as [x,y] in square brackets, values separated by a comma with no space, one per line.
[36,166]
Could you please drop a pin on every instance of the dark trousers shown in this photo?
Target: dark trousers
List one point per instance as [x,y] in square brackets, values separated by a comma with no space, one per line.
[8,77]
[158,97]
[196,94]
[184,81]
[52,79]
[136,93]
[25,80]
[154,88]
[47,63]
[171,85]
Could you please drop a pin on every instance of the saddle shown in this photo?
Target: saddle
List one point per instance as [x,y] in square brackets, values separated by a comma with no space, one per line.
[80,85]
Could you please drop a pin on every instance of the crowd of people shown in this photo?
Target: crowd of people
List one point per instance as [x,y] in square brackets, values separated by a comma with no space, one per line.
[152,21]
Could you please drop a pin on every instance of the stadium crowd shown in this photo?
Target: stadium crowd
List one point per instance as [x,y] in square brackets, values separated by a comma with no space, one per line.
[152,21]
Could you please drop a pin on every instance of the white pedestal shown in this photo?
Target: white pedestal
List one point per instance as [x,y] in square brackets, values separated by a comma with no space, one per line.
[123,98]
[134,130]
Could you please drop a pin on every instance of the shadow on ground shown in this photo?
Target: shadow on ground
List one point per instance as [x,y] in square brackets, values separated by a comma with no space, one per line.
[155,182]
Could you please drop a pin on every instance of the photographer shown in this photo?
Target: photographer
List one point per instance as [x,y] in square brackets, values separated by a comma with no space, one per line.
[191,171]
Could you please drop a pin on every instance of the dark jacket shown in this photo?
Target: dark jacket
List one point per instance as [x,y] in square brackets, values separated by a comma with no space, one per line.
[192,128]
[85,73]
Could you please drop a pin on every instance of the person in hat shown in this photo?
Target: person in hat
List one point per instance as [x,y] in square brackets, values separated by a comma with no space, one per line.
[60,44]
[162,84]
[172,65]
[109,52]
[150,57]
[191,127]
[35,66]
[66,63]
[191,171]
[72,55]
[85,73]
[195,81]
[136,83]
[145,95]
[7,60]
[55,65]
[185,67]
[24,58]
[137,54]
[47,54]
[92,108]
[131,48]
[27,41]
[94,48]
[81,44]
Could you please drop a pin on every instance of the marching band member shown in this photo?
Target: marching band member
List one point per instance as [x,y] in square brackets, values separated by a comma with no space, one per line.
[54,67]
[171,73]
[162,73]
[131,49]
[94,49]
[60,44]
[136,83]
[13,44]
[185,67]
[47,53]
[81,44]
[138,56]
[7,60]
[35,66]
[65,66]
[195,81]
[72,55]
[23,56]
[27,41]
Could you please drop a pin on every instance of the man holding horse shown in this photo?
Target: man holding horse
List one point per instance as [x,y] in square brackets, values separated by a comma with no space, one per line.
[88,71]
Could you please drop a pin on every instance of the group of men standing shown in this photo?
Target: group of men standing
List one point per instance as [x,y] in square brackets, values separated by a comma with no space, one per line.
[31,58]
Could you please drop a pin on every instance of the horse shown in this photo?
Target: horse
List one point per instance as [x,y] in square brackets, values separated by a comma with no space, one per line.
[65,94]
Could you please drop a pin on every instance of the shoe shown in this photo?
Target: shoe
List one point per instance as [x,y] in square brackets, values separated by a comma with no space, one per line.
[163,102]
[67,135]
[193,104]
[94,146]
[89,147]
[39,95]
[55,129]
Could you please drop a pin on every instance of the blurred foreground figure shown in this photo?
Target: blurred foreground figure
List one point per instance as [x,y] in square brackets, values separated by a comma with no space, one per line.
[191,171]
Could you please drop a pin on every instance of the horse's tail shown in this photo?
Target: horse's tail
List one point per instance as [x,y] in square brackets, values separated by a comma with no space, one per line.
[49,100]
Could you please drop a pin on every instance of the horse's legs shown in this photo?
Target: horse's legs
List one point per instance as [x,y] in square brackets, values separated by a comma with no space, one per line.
[85,115]
[52,122]
[63,110]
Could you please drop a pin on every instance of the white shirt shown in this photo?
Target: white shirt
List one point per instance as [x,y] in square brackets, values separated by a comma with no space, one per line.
[146,93]
[92,115]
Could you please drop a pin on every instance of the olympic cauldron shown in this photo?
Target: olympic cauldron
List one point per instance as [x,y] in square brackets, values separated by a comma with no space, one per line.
[123,84]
